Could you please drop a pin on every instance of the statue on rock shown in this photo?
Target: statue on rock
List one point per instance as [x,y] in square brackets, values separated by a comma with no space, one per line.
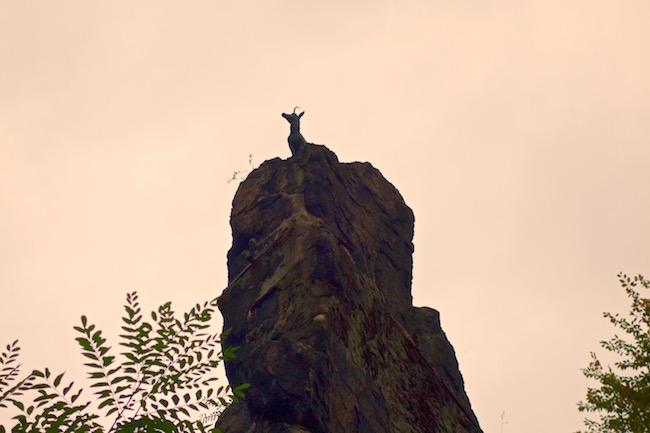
[296,140]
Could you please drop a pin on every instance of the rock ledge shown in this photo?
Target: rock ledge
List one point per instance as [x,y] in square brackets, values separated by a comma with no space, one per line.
[319,298]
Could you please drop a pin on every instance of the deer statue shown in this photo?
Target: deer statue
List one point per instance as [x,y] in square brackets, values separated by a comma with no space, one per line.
[296,140]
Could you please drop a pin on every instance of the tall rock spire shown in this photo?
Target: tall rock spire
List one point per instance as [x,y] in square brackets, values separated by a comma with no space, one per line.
[319,298]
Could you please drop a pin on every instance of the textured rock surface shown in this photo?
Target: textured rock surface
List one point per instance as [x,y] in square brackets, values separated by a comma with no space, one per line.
[319,298]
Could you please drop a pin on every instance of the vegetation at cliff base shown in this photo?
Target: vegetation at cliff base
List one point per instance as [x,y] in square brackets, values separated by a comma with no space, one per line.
[622,400]
[161,381]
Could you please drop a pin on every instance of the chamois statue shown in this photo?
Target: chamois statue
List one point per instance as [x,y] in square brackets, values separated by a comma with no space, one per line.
[296,140]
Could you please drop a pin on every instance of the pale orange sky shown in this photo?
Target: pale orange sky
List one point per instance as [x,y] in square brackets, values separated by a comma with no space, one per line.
[517,132]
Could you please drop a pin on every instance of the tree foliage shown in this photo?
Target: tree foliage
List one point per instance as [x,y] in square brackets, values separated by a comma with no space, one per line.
[163,382]
[623,398]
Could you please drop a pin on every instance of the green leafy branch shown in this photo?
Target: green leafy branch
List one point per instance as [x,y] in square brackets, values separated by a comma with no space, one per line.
[9,371]
[165,377]
[623,398]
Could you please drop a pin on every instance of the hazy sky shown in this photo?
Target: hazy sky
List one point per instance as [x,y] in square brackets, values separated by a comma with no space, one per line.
[516,130]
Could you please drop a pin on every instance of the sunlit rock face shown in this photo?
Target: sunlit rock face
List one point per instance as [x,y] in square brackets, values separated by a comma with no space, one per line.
[319,299]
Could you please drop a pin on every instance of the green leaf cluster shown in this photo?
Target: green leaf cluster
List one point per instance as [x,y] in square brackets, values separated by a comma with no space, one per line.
[9,372]
[163,380]
[623,398]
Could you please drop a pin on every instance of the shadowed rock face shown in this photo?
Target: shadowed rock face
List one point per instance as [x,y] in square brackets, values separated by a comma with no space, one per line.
[319,298]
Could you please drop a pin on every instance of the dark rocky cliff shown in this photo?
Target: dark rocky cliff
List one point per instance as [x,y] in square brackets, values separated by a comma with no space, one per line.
[319,298]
